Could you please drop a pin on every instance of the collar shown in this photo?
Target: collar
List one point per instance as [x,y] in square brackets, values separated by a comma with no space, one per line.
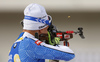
[28,35]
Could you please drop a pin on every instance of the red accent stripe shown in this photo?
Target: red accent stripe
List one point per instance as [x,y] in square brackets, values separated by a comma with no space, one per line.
[64,43]
[68,44]
[70,32]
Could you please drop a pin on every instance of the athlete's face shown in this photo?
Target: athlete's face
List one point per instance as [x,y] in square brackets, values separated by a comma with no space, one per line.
[44,30]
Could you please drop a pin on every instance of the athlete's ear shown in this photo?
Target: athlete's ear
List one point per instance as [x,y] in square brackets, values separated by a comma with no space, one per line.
[21,23]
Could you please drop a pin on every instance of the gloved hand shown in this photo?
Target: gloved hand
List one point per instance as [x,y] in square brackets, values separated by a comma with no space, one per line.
[56,40]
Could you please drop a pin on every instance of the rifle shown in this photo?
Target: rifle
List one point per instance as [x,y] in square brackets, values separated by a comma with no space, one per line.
[64,36]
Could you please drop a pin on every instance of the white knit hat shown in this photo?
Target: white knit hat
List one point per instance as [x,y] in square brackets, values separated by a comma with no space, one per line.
[33,12]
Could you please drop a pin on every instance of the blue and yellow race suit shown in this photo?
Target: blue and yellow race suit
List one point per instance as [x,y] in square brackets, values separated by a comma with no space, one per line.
[27,48]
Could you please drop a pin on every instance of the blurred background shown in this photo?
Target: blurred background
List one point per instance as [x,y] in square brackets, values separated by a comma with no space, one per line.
[83,13]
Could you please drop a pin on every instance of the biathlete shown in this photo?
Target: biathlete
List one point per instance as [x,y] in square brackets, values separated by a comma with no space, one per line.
[28,48]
